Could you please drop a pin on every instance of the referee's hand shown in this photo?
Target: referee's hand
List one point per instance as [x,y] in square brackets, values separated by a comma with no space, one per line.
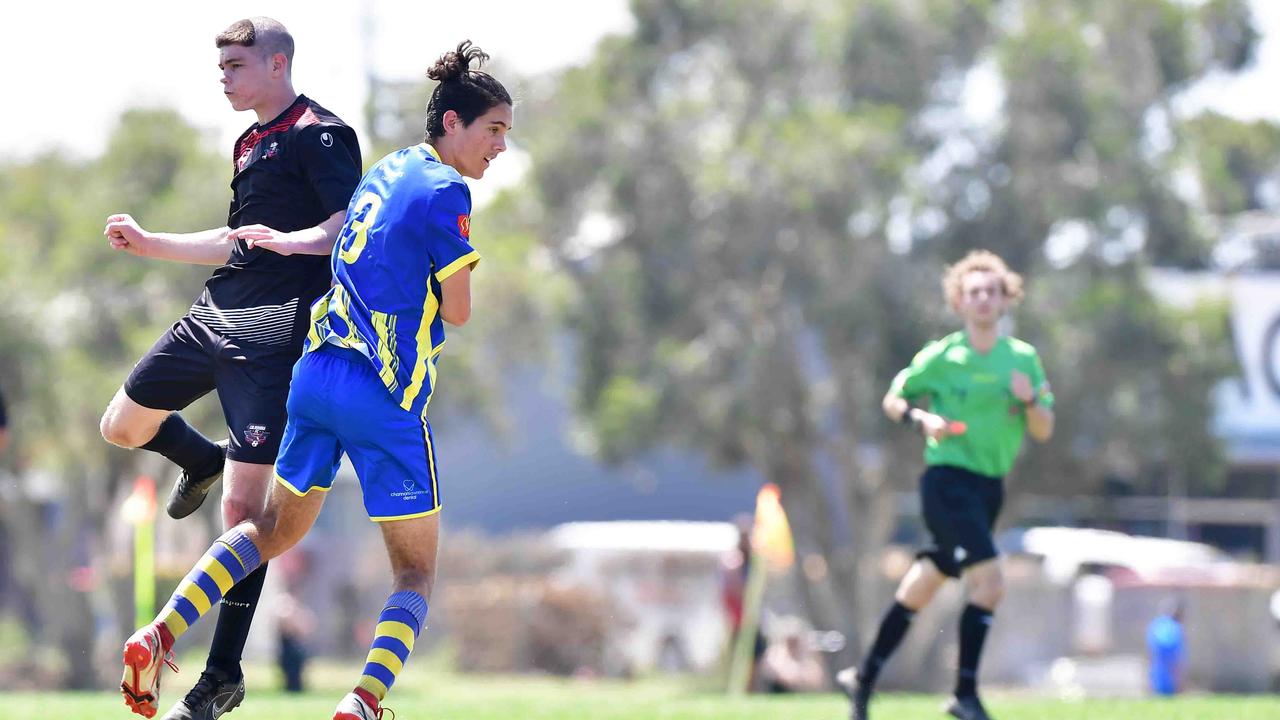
[934,426]
[1020,386]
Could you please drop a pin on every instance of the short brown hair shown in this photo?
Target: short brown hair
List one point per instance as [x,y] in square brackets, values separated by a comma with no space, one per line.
[267,35]
[979,261]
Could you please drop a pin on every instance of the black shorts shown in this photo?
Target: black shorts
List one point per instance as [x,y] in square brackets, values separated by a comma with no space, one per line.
[960,508]
[252,381]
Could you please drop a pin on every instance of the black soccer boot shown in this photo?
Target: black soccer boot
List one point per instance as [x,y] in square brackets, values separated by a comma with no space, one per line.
[213,696]
[188,493]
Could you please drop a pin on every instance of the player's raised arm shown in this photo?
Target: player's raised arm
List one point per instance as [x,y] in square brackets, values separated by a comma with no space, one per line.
[1039,413]
[209,247]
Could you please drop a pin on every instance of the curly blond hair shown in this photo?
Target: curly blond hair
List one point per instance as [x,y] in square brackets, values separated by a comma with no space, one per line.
[979,261]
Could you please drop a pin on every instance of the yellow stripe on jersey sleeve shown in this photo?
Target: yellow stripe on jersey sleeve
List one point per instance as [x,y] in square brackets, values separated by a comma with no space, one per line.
[472,259]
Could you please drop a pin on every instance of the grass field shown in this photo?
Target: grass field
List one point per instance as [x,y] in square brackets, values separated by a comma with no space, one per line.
[444,696]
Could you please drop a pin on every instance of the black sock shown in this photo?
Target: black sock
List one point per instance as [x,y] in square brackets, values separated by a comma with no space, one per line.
[892,628]
[234,617]
[974,623]
[186,447]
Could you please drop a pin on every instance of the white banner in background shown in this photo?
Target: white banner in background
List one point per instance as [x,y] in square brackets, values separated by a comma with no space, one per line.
[1255,320]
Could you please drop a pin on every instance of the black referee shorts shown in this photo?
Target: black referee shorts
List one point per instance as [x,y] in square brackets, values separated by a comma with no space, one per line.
[252,381]
[960,508]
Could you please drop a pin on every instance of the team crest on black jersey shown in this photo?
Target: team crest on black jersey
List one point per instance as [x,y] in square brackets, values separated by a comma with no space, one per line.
[255,435]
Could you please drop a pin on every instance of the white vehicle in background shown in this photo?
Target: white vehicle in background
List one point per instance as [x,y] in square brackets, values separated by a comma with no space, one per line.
[664,578]
[1068,552]
[1108,586]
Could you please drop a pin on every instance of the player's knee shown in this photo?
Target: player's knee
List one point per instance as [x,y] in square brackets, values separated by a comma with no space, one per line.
[236,510]
[264,529]
[107,429]
[119,433]
[987,591]
[919,585]
[914,597]
[275,532]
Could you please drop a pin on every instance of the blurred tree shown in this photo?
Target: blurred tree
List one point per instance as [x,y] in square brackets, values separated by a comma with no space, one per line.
[755,200]
[75,316]
[1237,163]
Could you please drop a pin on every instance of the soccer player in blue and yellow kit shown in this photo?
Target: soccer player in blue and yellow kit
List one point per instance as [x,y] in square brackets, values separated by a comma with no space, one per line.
[402,268]
[984,391]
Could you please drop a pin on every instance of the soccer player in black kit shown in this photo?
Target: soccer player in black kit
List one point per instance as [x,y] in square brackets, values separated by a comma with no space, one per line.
[294,173]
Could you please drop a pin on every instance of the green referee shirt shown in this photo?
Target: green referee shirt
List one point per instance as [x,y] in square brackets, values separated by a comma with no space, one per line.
[964,384]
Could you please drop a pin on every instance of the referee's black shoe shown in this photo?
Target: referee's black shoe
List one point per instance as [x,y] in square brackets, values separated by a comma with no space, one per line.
[848,681]
[966,708]
[188,493]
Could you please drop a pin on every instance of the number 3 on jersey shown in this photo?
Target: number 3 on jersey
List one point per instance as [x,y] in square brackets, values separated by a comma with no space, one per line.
[356,232]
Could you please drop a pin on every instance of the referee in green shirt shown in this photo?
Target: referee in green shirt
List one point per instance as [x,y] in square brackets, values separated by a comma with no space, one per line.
[972,394]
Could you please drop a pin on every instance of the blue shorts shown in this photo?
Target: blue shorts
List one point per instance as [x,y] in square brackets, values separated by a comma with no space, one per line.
[338,404]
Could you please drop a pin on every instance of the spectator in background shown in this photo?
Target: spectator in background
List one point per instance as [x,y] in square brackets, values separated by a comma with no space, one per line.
[4,426]
[733,591]
[790,663]
[1166,646]
[295,623]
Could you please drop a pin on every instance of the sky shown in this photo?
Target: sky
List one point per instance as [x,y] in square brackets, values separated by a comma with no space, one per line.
[73,66]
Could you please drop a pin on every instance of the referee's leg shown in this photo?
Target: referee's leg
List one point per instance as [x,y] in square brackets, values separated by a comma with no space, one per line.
[984,588]
[915,591]
[984,584]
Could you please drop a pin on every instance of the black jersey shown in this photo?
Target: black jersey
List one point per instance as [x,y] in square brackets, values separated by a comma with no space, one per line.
[290,174]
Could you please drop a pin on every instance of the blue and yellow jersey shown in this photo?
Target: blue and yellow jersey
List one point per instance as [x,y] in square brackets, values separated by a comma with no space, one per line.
[407,230]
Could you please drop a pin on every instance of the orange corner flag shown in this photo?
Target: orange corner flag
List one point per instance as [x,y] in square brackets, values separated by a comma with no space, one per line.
[771,536]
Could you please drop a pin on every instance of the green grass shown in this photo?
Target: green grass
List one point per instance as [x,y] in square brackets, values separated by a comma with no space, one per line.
[432,695]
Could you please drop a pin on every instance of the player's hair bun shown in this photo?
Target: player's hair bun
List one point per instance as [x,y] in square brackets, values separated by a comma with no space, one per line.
[455,63]
[461,88]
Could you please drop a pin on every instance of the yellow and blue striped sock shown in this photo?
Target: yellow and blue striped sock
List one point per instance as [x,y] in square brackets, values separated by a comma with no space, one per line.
[402,618]
[228,561]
